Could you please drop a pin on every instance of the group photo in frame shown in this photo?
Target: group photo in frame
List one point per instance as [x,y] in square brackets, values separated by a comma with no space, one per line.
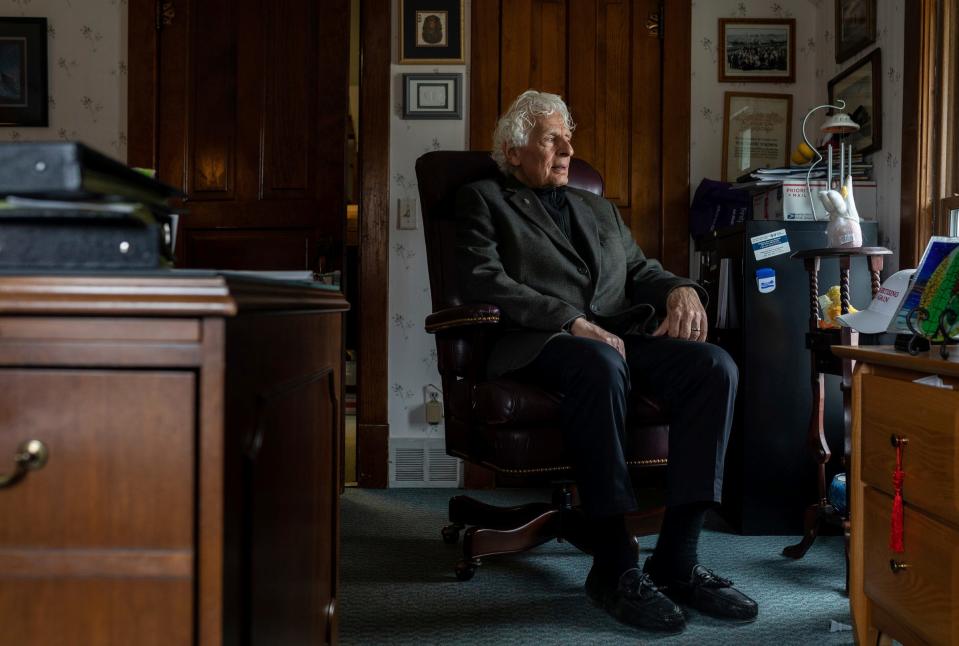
[23,72]
[757,50]
[757,132]
[855,27]
[860,87]
[431,32]
[433,96]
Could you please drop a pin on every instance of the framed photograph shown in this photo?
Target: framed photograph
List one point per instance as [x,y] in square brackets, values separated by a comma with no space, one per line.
[860,87]
[23,72]
[432,96]
[431,32]
[757,50]
[855,27]
[757,129]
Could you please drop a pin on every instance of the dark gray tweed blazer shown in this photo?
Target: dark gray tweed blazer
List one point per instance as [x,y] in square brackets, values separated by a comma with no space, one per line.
[511,254]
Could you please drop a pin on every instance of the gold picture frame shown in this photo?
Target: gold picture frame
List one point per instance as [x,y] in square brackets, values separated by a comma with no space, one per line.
[432,32]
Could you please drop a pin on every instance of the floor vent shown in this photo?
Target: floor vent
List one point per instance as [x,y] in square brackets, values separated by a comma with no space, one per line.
[422,462]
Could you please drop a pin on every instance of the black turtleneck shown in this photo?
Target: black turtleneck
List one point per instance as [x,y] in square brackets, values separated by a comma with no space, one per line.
[553,199]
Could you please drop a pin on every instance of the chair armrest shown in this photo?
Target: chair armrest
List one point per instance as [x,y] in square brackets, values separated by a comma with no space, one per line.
[462,316]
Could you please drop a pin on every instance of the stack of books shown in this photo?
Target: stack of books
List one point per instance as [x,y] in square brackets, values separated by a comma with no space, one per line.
[68,207]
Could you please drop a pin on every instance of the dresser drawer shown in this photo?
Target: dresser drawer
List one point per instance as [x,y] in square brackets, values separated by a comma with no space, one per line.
[120,472]
[929,418]
[924,596]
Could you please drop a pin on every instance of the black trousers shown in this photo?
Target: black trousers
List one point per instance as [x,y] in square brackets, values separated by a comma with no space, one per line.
[695,381]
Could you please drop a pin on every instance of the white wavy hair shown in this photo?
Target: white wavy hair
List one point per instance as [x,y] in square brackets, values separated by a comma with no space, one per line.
[513,128]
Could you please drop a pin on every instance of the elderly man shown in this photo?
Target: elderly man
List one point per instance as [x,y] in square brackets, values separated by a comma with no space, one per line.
[591,317]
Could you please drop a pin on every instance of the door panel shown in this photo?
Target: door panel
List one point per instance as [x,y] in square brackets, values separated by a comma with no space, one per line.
[250,94]
[608,66]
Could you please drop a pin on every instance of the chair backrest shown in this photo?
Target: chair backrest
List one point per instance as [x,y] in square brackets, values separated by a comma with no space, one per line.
[439,175]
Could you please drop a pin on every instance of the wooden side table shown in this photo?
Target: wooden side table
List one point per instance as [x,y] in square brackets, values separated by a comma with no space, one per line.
[823,362]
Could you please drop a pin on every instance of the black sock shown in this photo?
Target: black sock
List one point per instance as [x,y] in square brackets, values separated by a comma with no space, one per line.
[615,549]
[675,554]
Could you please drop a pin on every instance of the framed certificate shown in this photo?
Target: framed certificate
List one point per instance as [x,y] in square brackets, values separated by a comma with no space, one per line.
[756,132]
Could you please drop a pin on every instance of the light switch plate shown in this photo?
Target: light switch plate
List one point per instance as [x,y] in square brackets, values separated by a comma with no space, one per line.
[406,215]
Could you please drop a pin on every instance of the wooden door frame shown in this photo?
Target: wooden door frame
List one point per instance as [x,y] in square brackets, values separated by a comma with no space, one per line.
[372,406]
[929,107]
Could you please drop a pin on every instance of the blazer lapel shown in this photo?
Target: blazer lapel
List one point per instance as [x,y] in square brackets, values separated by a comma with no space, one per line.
[526,202]
[582,218]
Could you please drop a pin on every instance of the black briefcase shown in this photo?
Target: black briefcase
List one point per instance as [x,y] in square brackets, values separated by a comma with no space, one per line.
[34,239]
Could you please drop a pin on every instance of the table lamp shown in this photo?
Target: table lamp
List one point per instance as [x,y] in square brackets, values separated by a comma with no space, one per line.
[838,123]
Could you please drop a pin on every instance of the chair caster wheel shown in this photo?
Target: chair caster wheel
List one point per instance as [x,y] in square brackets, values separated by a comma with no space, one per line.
[465,570]
[451,534]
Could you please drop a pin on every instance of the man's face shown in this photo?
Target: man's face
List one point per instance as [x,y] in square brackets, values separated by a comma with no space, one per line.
[544,160]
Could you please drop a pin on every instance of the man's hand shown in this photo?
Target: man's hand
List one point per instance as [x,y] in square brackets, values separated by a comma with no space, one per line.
[685,316]
[582,327]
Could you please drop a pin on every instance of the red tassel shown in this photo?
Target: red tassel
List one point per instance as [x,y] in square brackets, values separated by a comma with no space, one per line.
[895,532]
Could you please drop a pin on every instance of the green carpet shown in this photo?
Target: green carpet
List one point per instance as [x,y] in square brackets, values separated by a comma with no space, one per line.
[397,584]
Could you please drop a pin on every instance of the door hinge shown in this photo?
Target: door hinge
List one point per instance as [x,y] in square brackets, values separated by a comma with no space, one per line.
[166,12]
[654,22]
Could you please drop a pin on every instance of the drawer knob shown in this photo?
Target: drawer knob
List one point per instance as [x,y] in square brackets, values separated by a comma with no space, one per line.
[30,455]
[897,566]
[898,440]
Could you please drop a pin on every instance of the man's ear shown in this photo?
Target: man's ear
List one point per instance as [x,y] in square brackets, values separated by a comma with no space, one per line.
[512,154]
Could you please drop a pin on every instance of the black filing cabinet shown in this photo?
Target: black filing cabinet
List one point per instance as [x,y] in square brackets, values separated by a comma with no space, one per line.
[770,472]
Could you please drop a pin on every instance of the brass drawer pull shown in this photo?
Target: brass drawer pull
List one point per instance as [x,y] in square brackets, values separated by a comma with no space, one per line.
[897,566]
[30,455]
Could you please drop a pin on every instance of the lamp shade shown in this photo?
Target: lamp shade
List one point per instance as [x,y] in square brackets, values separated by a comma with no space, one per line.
[839,123]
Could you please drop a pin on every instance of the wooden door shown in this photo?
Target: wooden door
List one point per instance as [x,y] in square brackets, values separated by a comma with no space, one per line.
[249,118]
[606,58]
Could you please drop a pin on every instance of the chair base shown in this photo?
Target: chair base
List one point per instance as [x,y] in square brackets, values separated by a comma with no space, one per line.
[496,530]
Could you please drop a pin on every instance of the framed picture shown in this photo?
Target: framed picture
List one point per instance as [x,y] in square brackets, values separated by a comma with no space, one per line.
[859,86]
[757,129]
[432,96]
[757,50]
[431,31]
[23,72]
[855,27]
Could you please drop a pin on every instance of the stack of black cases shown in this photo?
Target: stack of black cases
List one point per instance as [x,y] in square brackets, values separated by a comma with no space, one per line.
[67,207]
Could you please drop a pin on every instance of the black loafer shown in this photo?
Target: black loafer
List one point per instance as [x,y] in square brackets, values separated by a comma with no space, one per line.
[635,601]
[709,594]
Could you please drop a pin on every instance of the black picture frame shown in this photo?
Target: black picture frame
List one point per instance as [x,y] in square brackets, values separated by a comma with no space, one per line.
[431,32]
[757,50]
[433,96]
[855,27]
[23,73]
[860,87]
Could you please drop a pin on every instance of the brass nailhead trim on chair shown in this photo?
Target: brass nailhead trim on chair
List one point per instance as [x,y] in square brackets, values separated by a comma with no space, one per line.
[458,322]
[634,463]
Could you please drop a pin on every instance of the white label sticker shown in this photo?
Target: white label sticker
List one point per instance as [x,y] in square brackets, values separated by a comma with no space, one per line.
[774,243]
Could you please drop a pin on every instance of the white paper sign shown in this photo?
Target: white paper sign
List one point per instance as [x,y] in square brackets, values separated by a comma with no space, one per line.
[774,243]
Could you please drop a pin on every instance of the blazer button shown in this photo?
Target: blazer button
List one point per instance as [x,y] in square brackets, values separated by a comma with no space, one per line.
[581,270]
[594,308]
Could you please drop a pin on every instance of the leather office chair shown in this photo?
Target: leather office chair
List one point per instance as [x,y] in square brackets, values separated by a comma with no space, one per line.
[507,426]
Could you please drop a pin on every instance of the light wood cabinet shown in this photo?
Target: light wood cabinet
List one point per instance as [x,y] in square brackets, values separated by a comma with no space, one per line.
[190,493]
[911,596]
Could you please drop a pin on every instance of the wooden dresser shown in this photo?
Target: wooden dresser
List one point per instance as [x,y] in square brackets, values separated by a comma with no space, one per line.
[191,423]
[912,596]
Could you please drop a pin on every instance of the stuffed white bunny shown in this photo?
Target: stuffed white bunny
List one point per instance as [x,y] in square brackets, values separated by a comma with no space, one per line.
[843,229]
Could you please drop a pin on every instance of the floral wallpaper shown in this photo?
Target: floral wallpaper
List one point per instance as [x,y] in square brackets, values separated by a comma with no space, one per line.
[815,66]
[412,355]
[412,365]
[87,72]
